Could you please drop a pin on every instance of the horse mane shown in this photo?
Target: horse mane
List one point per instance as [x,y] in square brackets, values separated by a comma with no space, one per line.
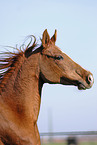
[8,59]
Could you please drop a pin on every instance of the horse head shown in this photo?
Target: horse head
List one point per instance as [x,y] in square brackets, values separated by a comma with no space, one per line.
[58,68]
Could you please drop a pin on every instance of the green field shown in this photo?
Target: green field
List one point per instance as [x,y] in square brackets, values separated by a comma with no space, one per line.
[82,143]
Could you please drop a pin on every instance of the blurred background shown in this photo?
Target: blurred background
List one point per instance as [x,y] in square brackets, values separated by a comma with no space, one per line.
[63,108]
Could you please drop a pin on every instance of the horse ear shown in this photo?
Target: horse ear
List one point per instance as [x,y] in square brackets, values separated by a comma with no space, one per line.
[45,38]
[54,37]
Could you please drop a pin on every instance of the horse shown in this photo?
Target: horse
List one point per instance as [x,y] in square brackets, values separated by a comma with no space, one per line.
[22,75]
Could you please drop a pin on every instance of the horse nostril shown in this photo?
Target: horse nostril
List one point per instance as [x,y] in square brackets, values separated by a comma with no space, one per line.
[90,79]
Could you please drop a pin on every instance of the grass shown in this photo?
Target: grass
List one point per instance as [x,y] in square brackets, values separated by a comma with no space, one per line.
[88,143]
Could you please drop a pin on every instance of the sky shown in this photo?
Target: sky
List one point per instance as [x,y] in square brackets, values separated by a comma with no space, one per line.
[63,108]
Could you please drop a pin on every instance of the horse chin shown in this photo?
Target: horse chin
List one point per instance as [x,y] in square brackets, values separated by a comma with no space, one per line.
[81,87]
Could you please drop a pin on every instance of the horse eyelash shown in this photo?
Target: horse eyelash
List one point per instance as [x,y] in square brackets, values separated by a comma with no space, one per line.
[55,57]
[59,57]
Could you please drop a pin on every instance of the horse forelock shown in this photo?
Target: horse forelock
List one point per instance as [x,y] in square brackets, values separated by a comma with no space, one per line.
[9,59]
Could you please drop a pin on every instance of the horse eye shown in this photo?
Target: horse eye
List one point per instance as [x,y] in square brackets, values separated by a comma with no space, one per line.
[59,57]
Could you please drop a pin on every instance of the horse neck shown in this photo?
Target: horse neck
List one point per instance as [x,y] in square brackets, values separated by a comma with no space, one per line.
[22,89]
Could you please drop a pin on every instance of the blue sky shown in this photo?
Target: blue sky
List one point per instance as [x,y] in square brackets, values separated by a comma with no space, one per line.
[63,108]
